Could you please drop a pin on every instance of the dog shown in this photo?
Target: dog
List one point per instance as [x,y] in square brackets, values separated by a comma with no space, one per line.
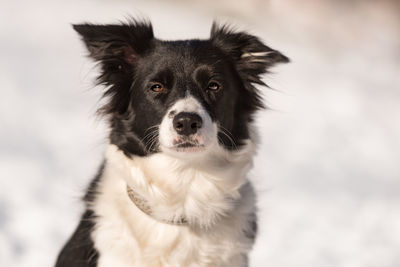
[172,190]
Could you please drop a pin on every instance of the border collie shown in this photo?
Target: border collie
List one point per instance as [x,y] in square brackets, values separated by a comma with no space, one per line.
[172,190]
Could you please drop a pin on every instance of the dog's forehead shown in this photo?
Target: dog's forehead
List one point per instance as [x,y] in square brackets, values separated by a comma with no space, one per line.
[184,47]
[185,55]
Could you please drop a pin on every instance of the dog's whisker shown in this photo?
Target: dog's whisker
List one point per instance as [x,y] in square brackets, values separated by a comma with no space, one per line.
[151,127]
[149,136]
[153,142]
[225,132]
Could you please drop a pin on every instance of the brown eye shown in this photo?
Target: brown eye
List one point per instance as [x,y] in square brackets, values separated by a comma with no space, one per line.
[213,86]
[157,88]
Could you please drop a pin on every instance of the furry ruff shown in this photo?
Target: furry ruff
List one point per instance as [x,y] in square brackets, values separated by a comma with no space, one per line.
[217,200]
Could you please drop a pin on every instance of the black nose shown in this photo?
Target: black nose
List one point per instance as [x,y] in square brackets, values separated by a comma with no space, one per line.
[186,123]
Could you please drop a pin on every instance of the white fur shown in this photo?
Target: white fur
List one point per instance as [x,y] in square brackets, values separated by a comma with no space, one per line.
[211,192]
[257,54]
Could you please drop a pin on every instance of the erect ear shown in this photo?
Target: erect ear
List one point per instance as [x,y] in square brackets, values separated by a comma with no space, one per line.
[116,47]
[251,56]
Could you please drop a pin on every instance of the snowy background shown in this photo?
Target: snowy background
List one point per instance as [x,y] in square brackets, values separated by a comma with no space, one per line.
[328,170]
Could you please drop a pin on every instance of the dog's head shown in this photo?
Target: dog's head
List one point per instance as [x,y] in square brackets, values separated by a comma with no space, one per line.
[178,97]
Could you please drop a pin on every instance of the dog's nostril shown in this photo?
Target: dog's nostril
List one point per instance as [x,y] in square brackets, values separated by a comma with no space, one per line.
[186,123]
[196,125]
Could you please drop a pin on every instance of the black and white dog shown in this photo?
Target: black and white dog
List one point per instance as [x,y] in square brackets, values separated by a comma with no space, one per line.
[172,190]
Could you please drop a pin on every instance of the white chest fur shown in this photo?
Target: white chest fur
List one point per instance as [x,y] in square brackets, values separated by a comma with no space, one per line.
[214,196]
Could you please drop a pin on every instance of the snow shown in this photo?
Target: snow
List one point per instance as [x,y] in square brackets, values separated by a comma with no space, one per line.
[327,172]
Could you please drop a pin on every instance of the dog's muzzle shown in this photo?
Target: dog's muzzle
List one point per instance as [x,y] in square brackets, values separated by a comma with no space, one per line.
[187,127]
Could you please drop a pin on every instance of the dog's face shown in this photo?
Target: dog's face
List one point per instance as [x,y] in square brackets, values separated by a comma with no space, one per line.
[178,97]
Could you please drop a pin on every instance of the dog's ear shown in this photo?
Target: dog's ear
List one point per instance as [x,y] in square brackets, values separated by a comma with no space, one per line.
[116,47]
[251,56]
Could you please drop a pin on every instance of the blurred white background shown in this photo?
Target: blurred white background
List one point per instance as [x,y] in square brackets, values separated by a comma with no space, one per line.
[327,172]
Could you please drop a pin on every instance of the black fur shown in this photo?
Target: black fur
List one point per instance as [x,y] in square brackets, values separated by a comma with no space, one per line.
[132,60]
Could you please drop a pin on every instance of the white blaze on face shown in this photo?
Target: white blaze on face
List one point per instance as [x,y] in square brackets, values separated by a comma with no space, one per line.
[204,137]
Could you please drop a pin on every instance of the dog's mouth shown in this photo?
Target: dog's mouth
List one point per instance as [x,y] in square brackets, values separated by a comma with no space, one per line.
[187,145]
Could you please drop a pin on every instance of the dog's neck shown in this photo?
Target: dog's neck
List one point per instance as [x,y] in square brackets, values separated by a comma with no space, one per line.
[199,190]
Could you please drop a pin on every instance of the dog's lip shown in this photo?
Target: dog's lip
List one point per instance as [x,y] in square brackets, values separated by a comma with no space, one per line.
[187,146]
